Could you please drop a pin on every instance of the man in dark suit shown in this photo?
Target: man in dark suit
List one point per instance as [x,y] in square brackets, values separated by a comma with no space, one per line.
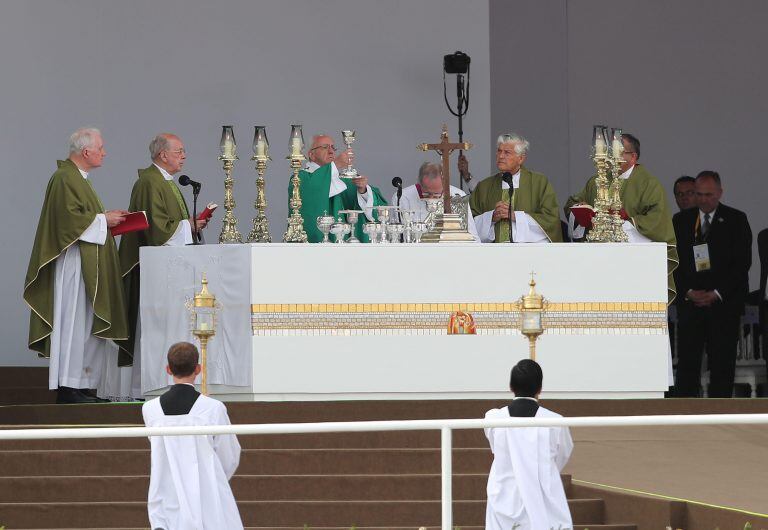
[762,303]
[714,243]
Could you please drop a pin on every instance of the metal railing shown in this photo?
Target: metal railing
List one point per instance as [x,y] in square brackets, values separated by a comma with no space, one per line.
[446,428]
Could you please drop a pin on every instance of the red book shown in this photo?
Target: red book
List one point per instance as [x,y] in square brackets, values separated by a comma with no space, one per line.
[133,222]
[208,212]
[583,213]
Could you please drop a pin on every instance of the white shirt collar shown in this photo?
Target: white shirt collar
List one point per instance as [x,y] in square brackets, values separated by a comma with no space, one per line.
[83,173]
[164,173]
[627,173]
[515,181]
[712,215]
[526,397]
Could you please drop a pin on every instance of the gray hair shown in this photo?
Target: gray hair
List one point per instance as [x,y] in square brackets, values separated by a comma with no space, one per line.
[82,138]
[521,144]
[159,144]
[430,169]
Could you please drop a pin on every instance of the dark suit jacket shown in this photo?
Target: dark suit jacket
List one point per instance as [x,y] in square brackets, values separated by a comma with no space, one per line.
[762,250]
[730,254]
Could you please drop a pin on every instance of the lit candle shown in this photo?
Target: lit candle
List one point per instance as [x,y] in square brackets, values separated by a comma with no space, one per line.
[295,146]
[617,147]
[600,147]
[203,326]
[229,149]
[261,148]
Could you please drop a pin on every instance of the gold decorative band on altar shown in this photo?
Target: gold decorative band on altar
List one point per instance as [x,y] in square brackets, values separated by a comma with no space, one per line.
[492,307]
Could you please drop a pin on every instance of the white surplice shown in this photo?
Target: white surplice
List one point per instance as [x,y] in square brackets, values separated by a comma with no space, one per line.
[189,480]
[525,229]
[77,357]
[410,200]
[524,485]
[125,382]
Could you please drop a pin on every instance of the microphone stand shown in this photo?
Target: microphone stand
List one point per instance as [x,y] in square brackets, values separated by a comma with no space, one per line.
[195,234]
[461,108]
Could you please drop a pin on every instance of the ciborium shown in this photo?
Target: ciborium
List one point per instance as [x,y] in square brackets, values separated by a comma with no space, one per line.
[228,155]
[260,231]
[324,223]
[340,229]
[372,230]
[295,232]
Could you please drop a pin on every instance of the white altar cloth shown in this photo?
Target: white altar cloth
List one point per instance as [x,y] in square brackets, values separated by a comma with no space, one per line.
[322,322]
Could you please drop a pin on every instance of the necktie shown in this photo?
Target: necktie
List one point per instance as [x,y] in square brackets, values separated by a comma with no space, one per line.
[705,225]
[179,198]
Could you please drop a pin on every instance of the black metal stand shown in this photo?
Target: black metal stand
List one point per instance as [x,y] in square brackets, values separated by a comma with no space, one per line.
[462,94]
[195,233]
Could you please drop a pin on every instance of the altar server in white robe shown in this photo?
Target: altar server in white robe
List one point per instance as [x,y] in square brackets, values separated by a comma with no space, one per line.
[524,485]
[189,481]
[429,186]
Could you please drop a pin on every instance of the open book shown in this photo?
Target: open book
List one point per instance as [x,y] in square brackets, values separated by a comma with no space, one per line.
[133,222]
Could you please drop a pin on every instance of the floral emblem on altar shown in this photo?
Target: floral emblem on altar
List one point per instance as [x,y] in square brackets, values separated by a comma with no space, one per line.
[461,323]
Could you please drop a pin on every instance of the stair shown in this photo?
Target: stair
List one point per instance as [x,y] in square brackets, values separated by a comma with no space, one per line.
[329,481]
[24,385]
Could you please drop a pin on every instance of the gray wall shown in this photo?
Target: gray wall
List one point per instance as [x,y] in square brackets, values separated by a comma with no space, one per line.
[135,68]
[686,77]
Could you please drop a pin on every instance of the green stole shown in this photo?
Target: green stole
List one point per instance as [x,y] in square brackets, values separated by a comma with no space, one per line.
[645,202]
[314,190]
[534,196]
[69,208]
[165,207]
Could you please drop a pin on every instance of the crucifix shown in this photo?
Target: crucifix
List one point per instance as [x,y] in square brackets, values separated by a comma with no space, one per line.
[444,149]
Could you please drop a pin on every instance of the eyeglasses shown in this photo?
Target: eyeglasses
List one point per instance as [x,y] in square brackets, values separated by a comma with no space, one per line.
[181,151]
[328,147]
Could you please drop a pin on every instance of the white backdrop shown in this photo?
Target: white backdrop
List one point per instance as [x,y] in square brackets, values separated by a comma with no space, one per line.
[136,68]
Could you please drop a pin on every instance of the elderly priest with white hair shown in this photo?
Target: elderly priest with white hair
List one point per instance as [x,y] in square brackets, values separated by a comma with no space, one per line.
[73,284]
[534,216]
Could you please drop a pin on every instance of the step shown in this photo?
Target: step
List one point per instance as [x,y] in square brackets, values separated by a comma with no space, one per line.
[24,376]
[273,514]
[576,527]
[21,395]
[252,461]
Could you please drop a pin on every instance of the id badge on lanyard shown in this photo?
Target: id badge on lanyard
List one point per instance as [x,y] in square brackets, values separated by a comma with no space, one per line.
[700,252]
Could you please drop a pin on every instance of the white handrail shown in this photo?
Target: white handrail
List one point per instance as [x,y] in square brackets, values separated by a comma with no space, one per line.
[445,426]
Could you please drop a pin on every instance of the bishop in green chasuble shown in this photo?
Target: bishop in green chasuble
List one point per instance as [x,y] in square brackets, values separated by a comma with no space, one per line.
[166,210]
[645,203]
[322,191]
[70,207]
[537,215]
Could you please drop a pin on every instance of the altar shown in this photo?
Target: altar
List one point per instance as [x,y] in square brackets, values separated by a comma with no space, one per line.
[346,322]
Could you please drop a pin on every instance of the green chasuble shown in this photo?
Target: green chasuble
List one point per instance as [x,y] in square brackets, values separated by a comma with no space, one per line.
[534,196]
[314,190]
[645,202]
[165,207]
[69,208]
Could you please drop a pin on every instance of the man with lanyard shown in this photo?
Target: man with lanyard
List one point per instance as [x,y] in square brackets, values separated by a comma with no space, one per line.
[525,490]
[714,242]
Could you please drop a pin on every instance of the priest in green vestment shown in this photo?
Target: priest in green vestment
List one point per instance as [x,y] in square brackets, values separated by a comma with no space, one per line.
[170,223]
[324,191]
[534,216]
[645,208]
[73,285]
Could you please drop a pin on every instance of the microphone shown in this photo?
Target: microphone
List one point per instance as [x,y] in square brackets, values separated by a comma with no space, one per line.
[186,181]
[507,177]
[398,183]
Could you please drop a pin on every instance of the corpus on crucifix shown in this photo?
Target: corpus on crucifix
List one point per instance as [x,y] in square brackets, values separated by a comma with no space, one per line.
[448,225]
